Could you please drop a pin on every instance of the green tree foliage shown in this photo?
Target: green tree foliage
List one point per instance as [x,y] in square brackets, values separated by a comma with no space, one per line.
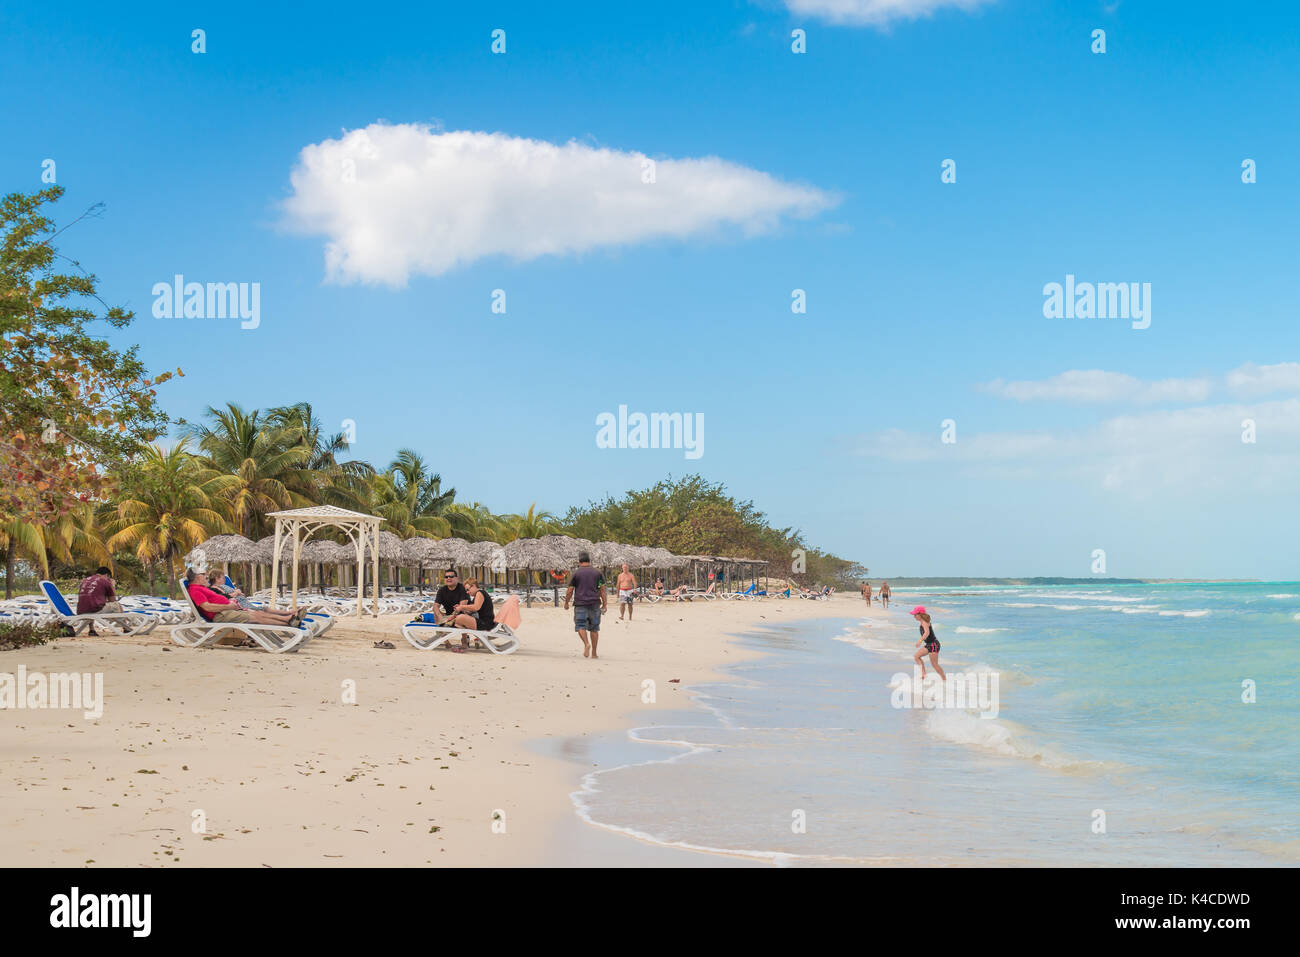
[71,407]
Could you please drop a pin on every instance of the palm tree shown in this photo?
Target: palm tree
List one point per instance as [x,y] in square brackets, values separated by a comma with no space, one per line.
[475,523]
[267,461]
[169,507]
[22,540]
[79,533]
[325,479]
[533,525]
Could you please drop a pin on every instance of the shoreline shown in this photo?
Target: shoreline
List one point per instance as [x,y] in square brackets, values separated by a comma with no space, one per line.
[438,752]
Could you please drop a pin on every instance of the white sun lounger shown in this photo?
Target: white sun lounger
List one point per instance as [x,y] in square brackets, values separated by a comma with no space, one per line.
[426,636]
[272,638]
[126,622]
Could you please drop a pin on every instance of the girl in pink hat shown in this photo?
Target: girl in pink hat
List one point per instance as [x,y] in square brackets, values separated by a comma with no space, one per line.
[928,645]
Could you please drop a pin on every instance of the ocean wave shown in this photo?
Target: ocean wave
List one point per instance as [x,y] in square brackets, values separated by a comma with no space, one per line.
[1035,604]
[968,630]
[1198,613]
[1279,596]
[1000,737]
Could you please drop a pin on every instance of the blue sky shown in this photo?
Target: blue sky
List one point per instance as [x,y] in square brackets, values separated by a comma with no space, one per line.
[925,299]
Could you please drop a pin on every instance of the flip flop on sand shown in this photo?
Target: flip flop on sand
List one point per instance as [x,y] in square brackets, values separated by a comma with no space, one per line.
[385,644]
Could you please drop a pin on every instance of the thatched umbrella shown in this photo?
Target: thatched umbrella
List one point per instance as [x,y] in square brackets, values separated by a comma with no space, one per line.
[425,553]
[264,551]
[662,558]
[530,553]
[325,552]
[567,547]
[483,553]
[222,549]
[455,551]
[390,550]
[608,554]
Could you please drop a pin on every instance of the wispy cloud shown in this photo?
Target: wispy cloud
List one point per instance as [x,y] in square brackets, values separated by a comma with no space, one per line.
[1097,385]
[875,13]
[1253,380]
[1198,448]
[397,200]
[1247,381]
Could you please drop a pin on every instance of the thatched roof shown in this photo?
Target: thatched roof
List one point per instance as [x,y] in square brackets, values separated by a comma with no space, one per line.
[326,553]
[482,553]
[326,513]
[565,547]
[608,554]
[427,551]
[533,553]
[390,548]
[264,550]
[222,548]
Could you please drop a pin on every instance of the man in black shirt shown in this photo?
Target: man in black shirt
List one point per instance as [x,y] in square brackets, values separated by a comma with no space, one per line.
[587,592]
[451,593]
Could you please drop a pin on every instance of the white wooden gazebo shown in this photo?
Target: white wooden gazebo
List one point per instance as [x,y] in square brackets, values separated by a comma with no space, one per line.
[300,523]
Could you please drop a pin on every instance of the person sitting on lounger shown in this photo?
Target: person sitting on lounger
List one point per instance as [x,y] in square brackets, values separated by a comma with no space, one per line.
[216,607]
[476,613]
[450,596]
[659,585]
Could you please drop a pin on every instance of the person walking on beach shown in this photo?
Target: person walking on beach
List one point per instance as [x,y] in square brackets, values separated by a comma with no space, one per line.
[587,592]
[884,594]
[866,591]
[928,643]
[626,591]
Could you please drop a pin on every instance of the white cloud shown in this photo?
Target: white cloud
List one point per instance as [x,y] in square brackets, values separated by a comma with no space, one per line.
[392,200]
[1194,449]
[1253,380]
[1097,385]
[875,13]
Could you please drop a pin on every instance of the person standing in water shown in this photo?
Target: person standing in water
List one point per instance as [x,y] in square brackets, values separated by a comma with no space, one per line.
[928,644]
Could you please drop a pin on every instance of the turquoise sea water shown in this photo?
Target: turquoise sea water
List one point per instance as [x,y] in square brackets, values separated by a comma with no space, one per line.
[1117,705]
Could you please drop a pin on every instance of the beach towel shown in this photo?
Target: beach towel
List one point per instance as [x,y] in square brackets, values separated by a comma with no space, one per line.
[507,613]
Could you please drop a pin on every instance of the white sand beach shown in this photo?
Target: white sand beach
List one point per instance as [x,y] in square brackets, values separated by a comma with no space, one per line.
[262,751]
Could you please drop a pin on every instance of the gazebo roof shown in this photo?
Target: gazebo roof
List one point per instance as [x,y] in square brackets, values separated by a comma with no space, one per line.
[326,513]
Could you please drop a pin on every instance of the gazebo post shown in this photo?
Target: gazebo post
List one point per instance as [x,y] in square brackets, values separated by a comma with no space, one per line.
[275,558]
[376,565]
[360,541]
[297,553]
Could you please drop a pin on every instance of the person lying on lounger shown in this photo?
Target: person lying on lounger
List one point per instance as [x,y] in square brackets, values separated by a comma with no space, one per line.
[218,608]
[476,614]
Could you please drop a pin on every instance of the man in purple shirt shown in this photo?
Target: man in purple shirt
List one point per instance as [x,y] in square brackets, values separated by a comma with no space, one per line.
[97,594]
[587,592]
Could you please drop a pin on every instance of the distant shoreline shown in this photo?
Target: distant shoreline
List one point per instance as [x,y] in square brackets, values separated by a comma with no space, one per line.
[1077,581]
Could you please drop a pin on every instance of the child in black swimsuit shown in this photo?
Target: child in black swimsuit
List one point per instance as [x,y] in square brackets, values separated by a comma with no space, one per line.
[928,643]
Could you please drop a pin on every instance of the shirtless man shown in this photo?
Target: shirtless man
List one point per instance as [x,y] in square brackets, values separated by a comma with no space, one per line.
[884,594]
[866,591]
[626,591]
